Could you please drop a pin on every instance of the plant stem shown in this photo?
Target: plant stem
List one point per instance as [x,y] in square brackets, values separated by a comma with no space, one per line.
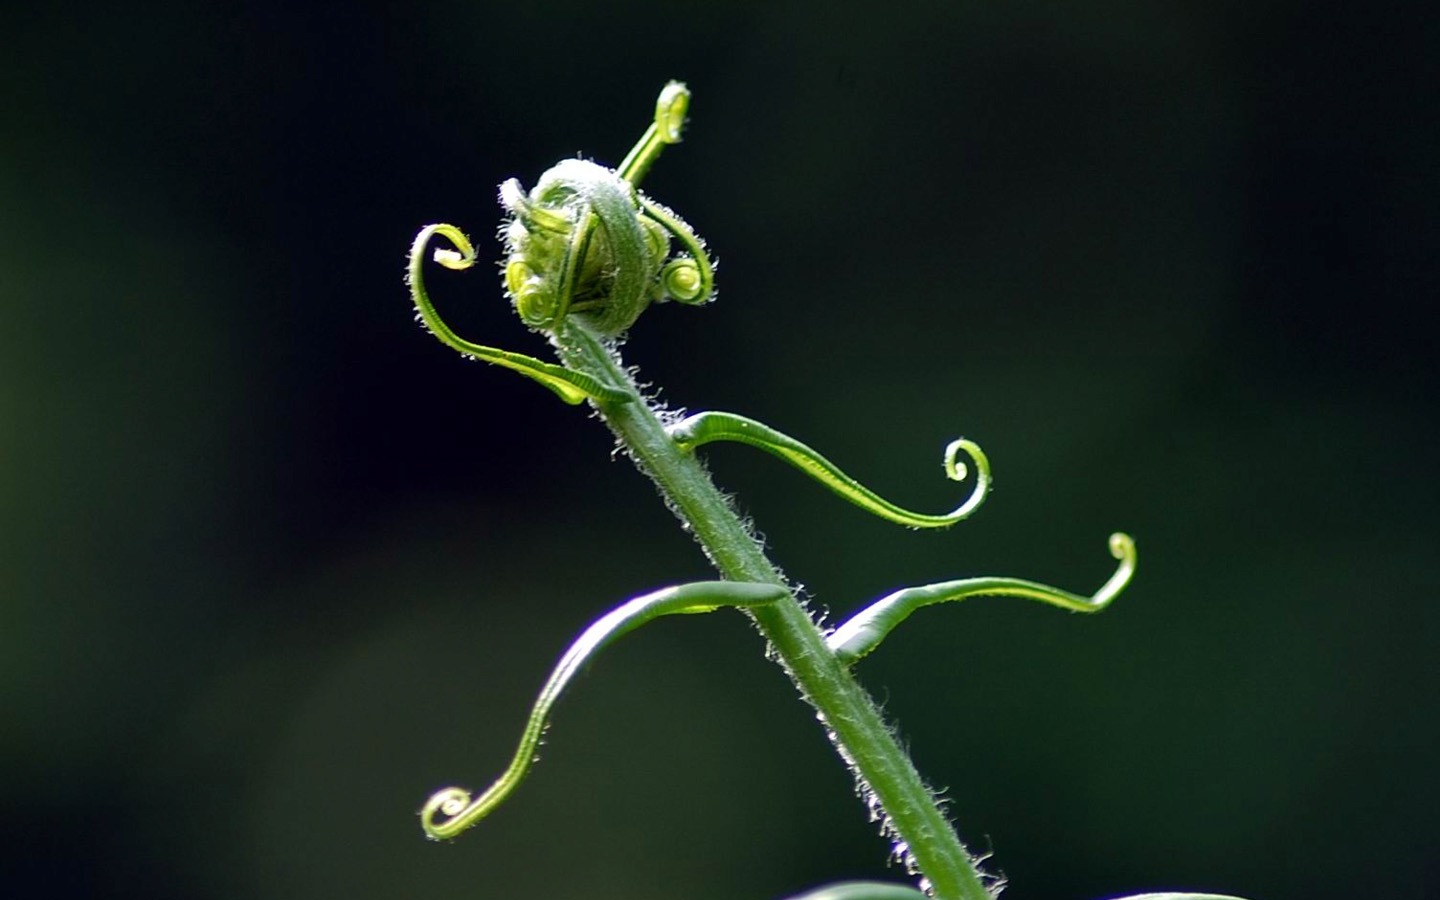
[853,722]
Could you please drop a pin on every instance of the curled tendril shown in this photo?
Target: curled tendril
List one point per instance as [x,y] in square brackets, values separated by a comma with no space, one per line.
[689,279]
[452,810]
[573,387]
[670,109]
[864,632]
[708,427]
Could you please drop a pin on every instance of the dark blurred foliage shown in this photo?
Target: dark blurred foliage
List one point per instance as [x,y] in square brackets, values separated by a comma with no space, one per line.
[276,564]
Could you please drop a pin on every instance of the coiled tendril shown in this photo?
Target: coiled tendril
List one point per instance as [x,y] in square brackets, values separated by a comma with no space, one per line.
[708,427]
[867,628]
[573,387]
[451,811]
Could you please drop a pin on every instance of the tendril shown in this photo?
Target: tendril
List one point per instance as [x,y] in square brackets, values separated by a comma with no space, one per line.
[687,279]
[573,387]
[453,810]
[867,628]
[709,427]
[670,109]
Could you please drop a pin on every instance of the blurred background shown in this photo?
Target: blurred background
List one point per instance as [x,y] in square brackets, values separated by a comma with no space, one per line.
[276,564]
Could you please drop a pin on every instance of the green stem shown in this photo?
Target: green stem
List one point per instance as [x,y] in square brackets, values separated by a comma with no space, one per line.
[850,716]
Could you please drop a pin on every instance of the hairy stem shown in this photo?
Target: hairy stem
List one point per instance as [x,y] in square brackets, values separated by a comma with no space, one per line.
[854,724]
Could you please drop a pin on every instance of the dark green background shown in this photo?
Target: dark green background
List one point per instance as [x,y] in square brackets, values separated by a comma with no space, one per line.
[276,564]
